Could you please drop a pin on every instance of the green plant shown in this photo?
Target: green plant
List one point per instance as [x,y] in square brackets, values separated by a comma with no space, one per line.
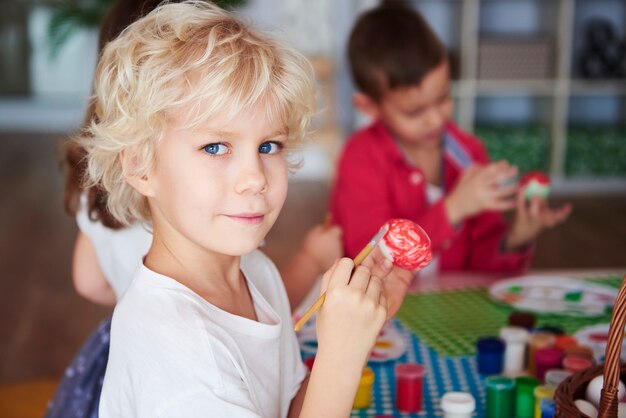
[72,15]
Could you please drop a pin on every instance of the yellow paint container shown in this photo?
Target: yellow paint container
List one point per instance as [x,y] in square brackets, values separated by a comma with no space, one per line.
[542,393]
[363,398]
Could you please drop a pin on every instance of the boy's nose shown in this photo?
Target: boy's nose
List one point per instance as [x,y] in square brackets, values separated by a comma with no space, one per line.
[436,118]
[251,178]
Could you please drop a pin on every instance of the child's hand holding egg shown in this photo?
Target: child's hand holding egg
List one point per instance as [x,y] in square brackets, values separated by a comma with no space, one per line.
[535,183]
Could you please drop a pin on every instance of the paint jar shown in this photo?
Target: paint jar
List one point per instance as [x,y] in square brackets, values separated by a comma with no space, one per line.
[309,363]
[458,405]
[363,398]
[546,359]
[522,319]
[538,340]
[579,350]
[547,408]
[525,396]
[490,355]
[500,397]
[543,394]
[554,377]
[563,341]
[515,340]
[574,363]
[409,386]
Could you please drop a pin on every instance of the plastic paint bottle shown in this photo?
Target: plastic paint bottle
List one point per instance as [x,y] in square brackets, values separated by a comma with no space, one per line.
[515,339]
[546,359]
[500,397]
[543,394]
[363,398]
[522,319]
[538,340]
[458,405]
[574,363]
[409,386]
[490,355]
[554,377]
[525,397]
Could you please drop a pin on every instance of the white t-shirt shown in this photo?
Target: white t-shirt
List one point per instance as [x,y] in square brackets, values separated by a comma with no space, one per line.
[173,354]
[119,251]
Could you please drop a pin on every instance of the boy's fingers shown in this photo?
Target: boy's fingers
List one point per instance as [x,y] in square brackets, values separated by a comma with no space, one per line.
[378,264]
[559,215]
[382,268]
[506,205]
[340,275]
[534,209]
[360,278]
[326,276]
[505,191]
[382,301]
[374,288]
[521,205]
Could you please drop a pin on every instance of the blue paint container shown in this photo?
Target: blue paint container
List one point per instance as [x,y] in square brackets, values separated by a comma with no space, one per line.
[490,355]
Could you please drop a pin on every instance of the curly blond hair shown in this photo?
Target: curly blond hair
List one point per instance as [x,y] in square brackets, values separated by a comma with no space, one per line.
[192,55]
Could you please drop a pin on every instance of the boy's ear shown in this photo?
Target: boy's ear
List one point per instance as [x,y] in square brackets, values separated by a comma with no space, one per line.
[130,164]
[365,104]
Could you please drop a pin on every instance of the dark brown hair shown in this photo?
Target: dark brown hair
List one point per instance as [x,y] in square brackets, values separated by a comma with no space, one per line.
[121,15]
[392,46]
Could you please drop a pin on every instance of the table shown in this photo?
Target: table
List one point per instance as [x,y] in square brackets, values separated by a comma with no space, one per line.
[440,321]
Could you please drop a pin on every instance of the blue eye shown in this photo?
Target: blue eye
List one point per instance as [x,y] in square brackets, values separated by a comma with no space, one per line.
[216,149]
[270,147]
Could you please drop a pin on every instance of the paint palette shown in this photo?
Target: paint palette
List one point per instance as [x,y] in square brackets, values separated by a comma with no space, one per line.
[595,337]
[554,295]
[389,345]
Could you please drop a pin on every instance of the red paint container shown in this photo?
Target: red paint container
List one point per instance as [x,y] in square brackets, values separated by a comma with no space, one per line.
[309,363]
[545,359]
[574,363]
[409,387]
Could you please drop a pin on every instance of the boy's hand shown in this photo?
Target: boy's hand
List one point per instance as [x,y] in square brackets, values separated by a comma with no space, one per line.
[353,313]
[531,219]
[480,188]
[396,281]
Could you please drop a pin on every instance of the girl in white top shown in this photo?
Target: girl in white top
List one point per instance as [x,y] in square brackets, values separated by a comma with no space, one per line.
[196,115]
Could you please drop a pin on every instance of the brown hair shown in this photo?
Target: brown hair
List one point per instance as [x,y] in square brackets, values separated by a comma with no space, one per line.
[121,14]
[392,46]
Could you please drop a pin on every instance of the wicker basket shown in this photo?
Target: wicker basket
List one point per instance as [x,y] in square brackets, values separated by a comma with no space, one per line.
[574,386]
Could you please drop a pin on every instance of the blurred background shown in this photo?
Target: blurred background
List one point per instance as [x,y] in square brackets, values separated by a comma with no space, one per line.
[542,82]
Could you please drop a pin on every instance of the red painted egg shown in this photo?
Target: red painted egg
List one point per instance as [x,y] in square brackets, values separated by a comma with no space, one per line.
[407,244]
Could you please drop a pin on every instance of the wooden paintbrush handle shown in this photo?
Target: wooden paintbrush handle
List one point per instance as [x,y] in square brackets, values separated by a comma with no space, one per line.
[320,301]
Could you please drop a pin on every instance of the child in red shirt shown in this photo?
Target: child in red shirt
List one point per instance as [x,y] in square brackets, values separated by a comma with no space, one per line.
[413,162]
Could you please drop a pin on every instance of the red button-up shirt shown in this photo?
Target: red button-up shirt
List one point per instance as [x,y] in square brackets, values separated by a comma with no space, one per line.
[375,182]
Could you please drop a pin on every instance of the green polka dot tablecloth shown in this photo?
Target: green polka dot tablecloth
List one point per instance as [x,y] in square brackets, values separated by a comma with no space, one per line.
[451,322]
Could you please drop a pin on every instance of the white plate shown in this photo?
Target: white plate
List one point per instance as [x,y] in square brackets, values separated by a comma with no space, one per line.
[595,337]
[555,295]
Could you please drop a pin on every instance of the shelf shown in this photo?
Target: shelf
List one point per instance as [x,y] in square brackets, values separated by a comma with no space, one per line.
[61,114]
[508,87]
[598,87]
[550,87]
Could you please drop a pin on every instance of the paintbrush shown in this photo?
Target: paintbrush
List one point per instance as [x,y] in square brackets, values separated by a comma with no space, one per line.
[357,261]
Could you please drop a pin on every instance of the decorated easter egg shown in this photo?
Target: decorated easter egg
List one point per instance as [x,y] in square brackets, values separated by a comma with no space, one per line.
[535,183]
[406,244]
